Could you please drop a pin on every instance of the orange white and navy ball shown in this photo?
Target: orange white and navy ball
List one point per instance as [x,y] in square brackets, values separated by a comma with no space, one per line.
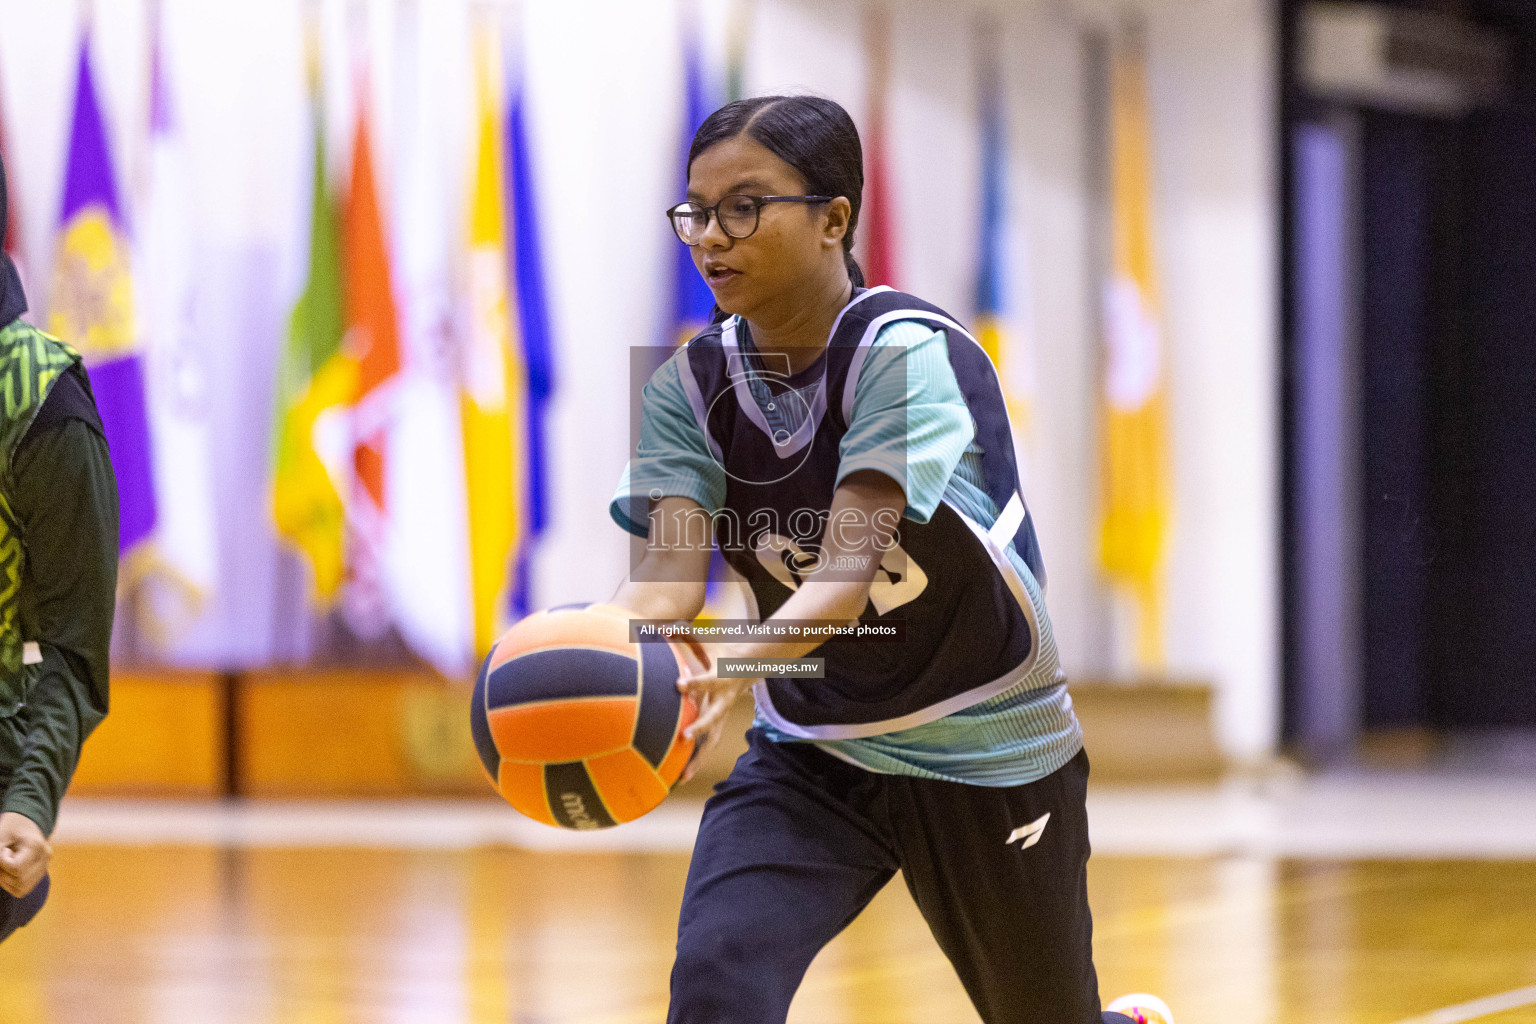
[577,725]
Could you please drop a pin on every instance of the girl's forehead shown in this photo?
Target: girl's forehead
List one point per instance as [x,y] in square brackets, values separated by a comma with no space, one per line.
[739,163]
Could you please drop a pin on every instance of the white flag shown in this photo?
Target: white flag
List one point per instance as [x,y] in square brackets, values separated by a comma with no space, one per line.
[183,568]
[426,550]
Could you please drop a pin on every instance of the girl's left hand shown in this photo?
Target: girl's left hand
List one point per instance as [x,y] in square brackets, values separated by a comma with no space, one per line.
[713,696]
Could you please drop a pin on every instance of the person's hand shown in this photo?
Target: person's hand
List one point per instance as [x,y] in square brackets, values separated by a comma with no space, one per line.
[713,696]
[24,854]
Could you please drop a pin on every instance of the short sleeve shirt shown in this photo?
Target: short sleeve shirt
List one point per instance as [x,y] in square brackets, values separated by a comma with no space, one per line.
[909,421]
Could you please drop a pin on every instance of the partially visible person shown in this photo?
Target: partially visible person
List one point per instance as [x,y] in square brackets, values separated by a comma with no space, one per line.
[58,581]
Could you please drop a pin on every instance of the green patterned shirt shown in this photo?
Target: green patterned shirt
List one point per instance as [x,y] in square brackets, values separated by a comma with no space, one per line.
[60,535]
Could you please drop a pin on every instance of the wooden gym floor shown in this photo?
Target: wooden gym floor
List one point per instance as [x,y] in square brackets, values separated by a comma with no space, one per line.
[236,932]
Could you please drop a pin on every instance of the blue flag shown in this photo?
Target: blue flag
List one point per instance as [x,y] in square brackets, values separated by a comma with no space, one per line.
[692,302]
[538,354]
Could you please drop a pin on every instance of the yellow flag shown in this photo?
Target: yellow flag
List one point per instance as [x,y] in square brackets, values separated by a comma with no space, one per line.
[1135,470]
[492,395]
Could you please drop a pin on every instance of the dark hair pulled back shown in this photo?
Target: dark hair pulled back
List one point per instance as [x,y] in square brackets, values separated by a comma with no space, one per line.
[812,134]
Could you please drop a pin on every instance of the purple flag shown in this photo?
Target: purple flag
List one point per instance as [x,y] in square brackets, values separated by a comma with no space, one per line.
[92,305]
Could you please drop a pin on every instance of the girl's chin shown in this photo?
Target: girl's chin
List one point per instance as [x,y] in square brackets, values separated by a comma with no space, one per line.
[730,302]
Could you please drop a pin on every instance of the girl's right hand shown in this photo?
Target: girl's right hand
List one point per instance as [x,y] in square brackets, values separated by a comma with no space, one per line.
[713,696]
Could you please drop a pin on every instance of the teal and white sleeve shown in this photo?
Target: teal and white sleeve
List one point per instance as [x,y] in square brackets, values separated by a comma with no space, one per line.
[909,419]
[672,458]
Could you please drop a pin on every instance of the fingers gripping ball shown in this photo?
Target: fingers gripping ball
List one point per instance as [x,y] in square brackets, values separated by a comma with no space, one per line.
[576,725]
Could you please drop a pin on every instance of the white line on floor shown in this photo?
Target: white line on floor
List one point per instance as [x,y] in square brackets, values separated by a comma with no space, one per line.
[1327,817]
[405,824]
[1478,1007]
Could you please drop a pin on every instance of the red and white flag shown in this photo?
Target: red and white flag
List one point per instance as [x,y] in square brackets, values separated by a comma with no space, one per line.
[877,234]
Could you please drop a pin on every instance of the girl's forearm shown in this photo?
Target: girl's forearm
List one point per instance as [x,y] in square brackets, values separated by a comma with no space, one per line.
[831,601]
[660,600]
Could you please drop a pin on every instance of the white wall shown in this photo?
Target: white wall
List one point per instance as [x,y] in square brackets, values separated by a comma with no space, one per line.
[604,81]
[1211,65]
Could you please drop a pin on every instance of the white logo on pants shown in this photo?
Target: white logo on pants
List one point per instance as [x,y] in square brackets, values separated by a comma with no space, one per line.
[1030,833]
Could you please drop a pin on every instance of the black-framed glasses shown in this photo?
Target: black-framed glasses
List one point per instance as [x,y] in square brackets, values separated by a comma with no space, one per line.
[737,214]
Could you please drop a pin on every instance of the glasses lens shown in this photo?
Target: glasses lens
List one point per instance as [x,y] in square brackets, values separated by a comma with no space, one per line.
[689,222]
[738,215]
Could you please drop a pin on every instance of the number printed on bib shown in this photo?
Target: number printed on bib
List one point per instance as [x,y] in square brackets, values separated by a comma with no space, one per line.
[898,581]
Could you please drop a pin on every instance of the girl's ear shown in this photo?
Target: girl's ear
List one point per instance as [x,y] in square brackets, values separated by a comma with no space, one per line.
[834,221]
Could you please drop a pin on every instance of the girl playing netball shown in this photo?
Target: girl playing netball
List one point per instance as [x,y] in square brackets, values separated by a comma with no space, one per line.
[849,451]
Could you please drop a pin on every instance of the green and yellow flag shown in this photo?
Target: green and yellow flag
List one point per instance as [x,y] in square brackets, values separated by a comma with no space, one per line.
[316,384]
[1135,471]
[492,396]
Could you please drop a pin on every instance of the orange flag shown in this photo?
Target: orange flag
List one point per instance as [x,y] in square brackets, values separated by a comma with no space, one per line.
[373,340]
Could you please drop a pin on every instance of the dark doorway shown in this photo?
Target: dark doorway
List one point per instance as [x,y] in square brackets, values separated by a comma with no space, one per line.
[1442,351]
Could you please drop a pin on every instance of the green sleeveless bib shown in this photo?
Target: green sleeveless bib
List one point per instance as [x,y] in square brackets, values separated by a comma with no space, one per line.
[30,363]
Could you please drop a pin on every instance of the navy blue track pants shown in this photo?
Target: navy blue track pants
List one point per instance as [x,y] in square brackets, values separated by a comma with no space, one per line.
[795,843]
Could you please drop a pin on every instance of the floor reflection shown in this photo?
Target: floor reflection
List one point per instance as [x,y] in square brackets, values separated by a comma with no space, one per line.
[176,934]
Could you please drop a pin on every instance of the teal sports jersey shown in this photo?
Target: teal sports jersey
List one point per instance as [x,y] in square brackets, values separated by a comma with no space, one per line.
[910,421]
